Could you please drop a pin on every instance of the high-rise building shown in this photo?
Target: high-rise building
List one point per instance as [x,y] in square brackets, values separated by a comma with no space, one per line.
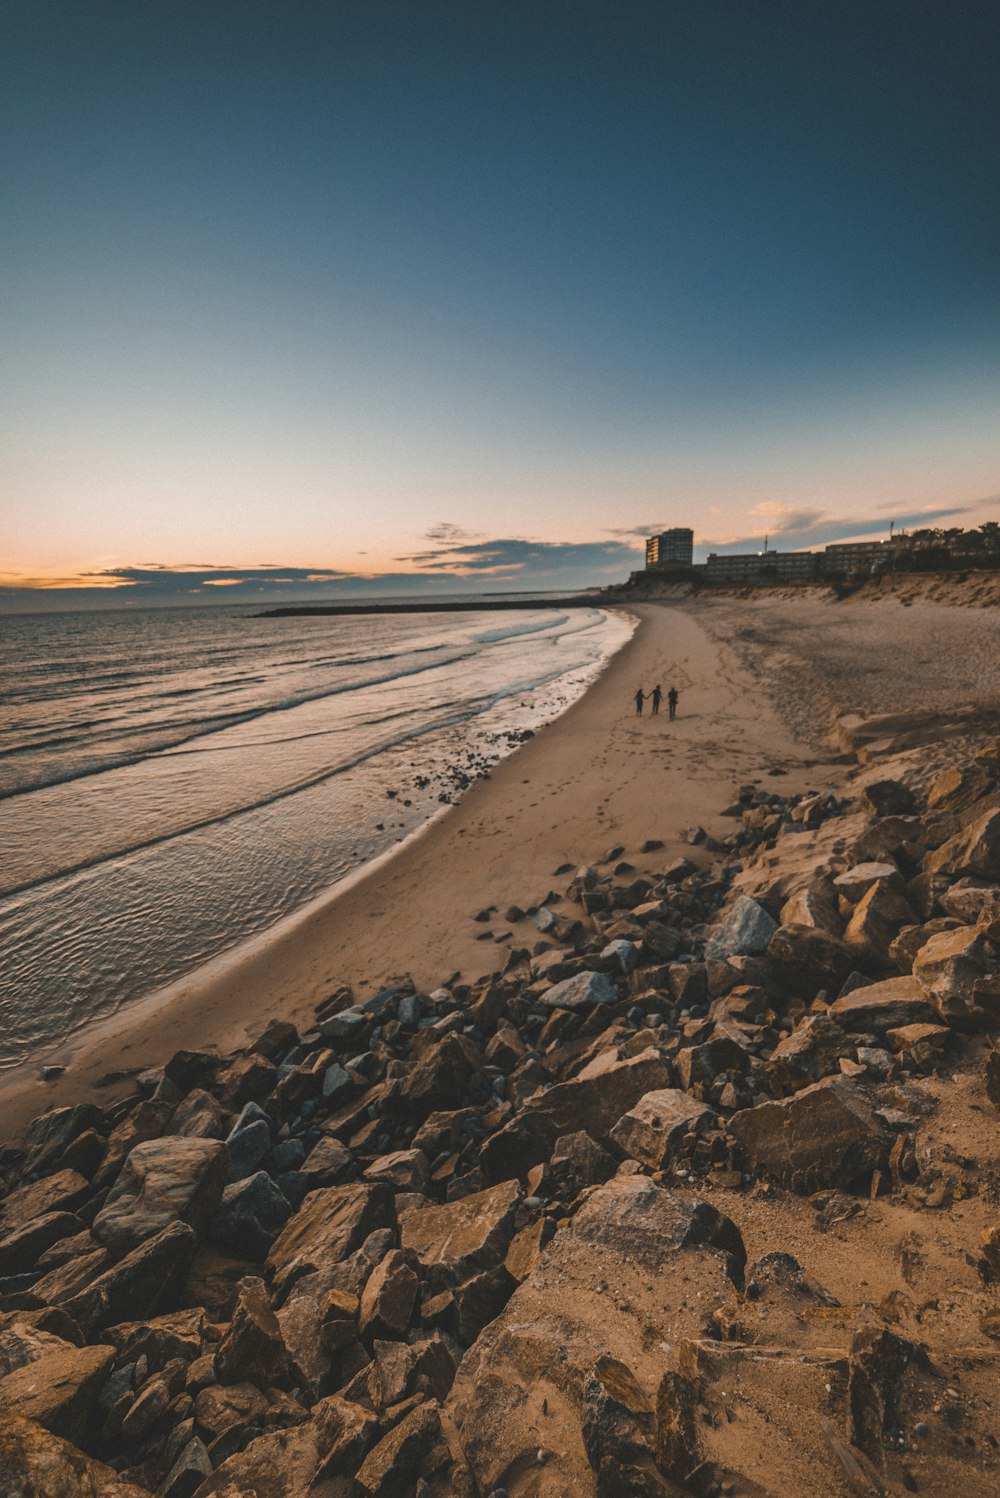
[671,548]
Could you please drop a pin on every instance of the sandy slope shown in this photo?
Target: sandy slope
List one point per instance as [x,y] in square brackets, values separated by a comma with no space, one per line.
[595,778]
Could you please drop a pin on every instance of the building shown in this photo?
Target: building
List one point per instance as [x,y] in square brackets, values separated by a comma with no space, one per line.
[673,548]
[848,558]
[763,567]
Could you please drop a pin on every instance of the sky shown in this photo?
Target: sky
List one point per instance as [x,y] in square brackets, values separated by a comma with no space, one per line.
[312,299]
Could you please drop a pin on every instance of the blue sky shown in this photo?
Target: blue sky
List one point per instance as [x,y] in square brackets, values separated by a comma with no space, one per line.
[301,284]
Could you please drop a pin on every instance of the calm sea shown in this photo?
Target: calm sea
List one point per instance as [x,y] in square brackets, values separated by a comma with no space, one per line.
[172,782]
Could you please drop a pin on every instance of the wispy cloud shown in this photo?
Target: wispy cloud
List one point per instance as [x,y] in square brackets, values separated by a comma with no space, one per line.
[800,528]
[447,534]
[514,557]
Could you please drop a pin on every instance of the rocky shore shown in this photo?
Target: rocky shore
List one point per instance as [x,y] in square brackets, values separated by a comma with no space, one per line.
[697,1195]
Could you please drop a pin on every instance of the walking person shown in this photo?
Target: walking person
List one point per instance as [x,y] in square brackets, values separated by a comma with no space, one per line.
[657,696]
[672,702]
[640,698]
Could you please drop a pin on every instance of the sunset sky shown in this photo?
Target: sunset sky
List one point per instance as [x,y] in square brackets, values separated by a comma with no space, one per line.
[320,297]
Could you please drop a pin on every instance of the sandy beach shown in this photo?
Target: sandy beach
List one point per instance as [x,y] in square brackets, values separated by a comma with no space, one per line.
[760,681]
[594,779]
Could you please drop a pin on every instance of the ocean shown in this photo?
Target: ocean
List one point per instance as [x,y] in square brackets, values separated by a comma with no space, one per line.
[173,782]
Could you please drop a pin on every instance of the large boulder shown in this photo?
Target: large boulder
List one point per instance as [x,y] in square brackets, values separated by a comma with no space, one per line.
[36,1464]
[653,1131]
[452,1240]
[581,992]
[139,1284]
[633,1273]
[253,1349]
[825,1135]
[59,1389]
[883,1006]
[22,1247]
[957,973]
[331,1223]
[163,1181]
[813,1050]
[444,1076]
[62,1192]
[805,959]
[744,931]
[277,1464]
[973,850]
[48,1136]
[250,1216]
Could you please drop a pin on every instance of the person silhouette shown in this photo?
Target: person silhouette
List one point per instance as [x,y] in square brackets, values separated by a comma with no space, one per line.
[672,701]
[640,698]
[657,696]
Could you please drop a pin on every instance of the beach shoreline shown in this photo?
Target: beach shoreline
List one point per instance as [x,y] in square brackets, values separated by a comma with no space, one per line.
[567,796]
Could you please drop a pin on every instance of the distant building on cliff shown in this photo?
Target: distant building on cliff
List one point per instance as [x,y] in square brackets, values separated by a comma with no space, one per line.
[673,548]
[763,567]
[850,558]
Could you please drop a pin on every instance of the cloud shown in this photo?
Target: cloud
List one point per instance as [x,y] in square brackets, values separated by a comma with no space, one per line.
[534,560]
[640,532]
[804,528]
[447,534]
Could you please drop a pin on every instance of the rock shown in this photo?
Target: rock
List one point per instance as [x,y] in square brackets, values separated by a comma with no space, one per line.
[883,1006]
[47,1137]
[526,1247]
[805,959]
[275,1040]
[593,1101]
[61,1192]
[388,1297]
[253,1350]
[249,1079]
[745,930]
[188,1472]
[813,1050]
[953,970]
[877,917]
[699,1065]
[887,798]
[219,1408]
[621,956]
[392,1466]
[21,1248]
[815,908]
[406,1170]
[968,901]
[346,1433]
[163,1181]
[328,1163]
[636,1268]
[138,1284]
[591,1164]
[37,1464]
[581,992]
[329,1225]
[452,1240]
[248,1142]
[825,1135]
[653,1130]
[974,850]
[857,881]
[59,1389]
[250,1216]
[277,1464]
[199,1116]
[442,1076]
